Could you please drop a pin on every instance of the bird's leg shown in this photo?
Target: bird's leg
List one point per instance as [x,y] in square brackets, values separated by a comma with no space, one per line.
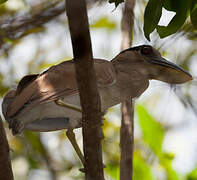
[71,136]
[68,105]
[69,133]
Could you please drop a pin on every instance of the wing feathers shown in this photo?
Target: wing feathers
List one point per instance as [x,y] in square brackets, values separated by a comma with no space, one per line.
[25,81]
[56,82]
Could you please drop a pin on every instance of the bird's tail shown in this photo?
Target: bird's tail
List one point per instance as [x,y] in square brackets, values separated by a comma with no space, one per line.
[7,100]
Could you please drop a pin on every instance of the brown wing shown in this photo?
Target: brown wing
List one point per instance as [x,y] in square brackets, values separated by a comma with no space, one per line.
[58,81]
[25,81]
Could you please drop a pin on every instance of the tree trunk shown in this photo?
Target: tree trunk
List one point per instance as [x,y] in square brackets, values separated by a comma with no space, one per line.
[5,162]
[89,96]
[127,123]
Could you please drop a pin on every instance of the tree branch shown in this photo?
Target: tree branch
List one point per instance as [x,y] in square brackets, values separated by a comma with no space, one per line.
[5,162]
[16,27]
[127,123]
[89,96]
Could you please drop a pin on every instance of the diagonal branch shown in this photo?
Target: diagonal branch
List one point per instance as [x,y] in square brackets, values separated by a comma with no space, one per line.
[89,96]
[17,27]
[127,123]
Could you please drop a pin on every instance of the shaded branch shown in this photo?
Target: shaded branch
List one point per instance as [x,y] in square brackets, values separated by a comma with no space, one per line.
[5,162]
[16,27]
[89,96]
[127,140]
[127,23]
[127,108]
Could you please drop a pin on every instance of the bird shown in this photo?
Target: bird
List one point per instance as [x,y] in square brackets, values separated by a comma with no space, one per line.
[50,101]
[32,104]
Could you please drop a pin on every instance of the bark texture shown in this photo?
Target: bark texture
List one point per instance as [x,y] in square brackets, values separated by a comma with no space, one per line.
[90,100]
[5,162]
[127,108]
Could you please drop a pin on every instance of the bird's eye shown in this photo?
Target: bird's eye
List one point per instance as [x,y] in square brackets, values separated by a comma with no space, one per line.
[146,50]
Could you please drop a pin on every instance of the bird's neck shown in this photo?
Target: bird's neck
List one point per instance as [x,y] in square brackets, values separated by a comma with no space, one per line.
[132,79]
[130,65]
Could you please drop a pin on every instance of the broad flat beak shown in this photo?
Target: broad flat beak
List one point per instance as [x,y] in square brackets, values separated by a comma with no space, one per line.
[169,72]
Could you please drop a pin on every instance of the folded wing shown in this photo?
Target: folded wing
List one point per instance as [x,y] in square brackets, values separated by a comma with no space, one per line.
[52,84]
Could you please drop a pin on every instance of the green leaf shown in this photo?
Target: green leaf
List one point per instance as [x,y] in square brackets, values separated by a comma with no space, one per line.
[34,140]
[113,171]
[33,163]
[192,175]
[152,130]
[166,162]
[2,1]
[152,16]
[170,5]
[3,88]
[181,7]
[104,22]
[141,170]
[193,13]
[153,134]
[116,2]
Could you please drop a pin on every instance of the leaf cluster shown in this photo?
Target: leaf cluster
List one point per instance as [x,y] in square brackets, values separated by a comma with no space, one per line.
[182,8]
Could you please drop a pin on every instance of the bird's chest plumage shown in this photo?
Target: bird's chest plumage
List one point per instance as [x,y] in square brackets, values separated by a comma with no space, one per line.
[127,86]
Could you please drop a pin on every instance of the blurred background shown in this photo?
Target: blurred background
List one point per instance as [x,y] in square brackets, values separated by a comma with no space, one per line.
[165,115]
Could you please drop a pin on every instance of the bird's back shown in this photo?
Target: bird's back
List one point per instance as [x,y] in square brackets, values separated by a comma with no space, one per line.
[57,81]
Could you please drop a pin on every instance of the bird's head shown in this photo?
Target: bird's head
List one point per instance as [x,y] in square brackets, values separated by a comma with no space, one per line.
[150,63]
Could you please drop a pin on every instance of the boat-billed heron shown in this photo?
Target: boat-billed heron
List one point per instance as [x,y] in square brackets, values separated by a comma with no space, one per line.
[50,101]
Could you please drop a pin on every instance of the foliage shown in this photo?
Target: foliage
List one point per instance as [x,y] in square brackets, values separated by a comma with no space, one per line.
[113,171]
[104,22]
[182,9]
[192,175]
[2,1]
[153,133]
[141,169]
[193,13]
[116,2]
[153,13]
[153,136]
[3,87]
